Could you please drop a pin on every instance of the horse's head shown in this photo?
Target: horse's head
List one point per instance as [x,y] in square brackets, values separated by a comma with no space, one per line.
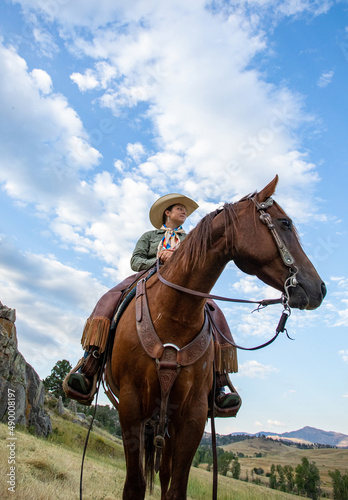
[266,245]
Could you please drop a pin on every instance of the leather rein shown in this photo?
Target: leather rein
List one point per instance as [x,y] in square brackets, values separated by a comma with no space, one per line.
[291,281]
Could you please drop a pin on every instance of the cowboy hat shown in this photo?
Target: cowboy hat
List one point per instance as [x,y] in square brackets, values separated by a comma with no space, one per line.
[158,208]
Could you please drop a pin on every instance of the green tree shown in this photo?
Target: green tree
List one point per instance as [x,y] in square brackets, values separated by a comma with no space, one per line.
[53,382]
[340,485]
[307,479]
[106,416]
[281,484]
[223,464]
[290,478]
[236,468]
[273,478]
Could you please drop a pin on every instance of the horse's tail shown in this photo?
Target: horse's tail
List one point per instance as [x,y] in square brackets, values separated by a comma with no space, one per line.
[149,449]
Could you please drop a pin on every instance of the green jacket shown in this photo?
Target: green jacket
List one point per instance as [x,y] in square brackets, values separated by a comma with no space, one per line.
[144,255]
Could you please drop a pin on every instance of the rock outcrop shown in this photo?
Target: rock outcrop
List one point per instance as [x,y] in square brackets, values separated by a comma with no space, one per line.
[19,379]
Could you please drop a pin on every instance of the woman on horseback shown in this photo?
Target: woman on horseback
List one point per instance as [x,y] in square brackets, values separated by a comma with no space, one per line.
[167,215]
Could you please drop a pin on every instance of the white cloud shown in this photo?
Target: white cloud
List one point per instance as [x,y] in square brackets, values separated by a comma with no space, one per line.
[43,80]
[52,300]
[254,369]
[201,100]
[342,280]
[249,286]
[45,41]
[344,354]
[51,145]
[325,79]
[213,118]
[293,7]
[87,81]
[275,423]
[95,15]
[119,165]
[98,78]
[135,151]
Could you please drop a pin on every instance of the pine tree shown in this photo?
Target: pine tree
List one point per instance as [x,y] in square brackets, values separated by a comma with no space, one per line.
[281,485]
[308,479]
[340,485]
[273,478]
[290,478]
[53,382]
[236,468]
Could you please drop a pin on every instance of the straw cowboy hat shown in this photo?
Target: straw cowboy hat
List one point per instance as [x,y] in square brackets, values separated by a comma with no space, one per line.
[158,208]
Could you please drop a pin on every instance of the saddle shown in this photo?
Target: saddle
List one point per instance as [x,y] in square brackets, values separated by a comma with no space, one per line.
[168,357]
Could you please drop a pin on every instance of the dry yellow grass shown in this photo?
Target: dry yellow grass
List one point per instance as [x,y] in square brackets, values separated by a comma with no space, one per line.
[46,469]
[326,459]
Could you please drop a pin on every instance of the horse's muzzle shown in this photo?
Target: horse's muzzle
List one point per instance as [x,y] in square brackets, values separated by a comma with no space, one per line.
[305,296]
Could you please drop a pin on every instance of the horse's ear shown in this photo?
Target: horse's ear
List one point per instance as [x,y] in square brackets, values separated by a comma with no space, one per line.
[268,190]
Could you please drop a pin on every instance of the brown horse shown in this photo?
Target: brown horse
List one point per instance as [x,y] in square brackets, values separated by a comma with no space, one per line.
[233,233]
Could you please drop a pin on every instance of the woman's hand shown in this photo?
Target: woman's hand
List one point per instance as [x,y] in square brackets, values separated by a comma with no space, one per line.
[165,255]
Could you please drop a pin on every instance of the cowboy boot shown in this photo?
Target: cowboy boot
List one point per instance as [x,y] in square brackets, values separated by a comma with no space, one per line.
[225,400]
[82,380]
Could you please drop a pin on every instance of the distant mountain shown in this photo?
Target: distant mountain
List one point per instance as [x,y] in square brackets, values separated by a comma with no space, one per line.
[307,435]
[315,436]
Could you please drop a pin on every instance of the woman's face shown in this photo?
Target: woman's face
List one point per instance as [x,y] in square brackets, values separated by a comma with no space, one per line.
[177,216]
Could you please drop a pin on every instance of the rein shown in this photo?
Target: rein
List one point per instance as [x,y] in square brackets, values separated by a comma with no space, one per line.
[262,303]
[291,281]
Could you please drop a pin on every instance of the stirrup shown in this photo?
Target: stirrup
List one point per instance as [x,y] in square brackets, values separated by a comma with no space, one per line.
[225,401]
[79,382]
[71,393]
[230,411]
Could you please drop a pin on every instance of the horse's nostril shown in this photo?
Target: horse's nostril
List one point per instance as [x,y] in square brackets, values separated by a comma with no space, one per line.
[323,289]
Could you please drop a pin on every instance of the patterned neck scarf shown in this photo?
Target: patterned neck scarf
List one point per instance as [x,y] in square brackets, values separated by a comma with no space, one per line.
[170,239]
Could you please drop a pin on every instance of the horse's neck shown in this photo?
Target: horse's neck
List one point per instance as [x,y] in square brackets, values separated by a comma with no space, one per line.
[202,279]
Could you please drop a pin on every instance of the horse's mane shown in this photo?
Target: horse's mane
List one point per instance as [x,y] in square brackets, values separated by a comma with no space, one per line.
[193,249]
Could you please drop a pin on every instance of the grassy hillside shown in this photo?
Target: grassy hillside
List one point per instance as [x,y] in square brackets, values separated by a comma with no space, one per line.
[49,469]
[277,453]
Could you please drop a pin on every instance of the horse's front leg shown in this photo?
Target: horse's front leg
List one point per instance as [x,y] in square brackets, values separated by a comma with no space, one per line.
[166,467]
[132,434]
[186,437]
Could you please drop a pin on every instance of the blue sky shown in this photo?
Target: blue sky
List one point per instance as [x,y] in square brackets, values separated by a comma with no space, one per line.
[106,106]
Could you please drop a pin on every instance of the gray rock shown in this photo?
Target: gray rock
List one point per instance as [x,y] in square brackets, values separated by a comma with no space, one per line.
[60,406]
[7,313]
[20,385]
[72,406]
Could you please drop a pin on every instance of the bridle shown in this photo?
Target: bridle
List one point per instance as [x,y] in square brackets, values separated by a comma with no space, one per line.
[290,282]
[285,254]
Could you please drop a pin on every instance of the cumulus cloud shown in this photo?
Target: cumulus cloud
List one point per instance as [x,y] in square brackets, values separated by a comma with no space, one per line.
[87,81]
[275,423]
[51,144]
[254,369]
[210,109]
[53,301]
[135,151]
[212,115]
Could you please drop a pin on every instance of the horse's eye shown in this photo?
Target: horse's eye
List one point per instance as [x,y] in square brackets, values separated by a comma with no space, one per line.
[286,223]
